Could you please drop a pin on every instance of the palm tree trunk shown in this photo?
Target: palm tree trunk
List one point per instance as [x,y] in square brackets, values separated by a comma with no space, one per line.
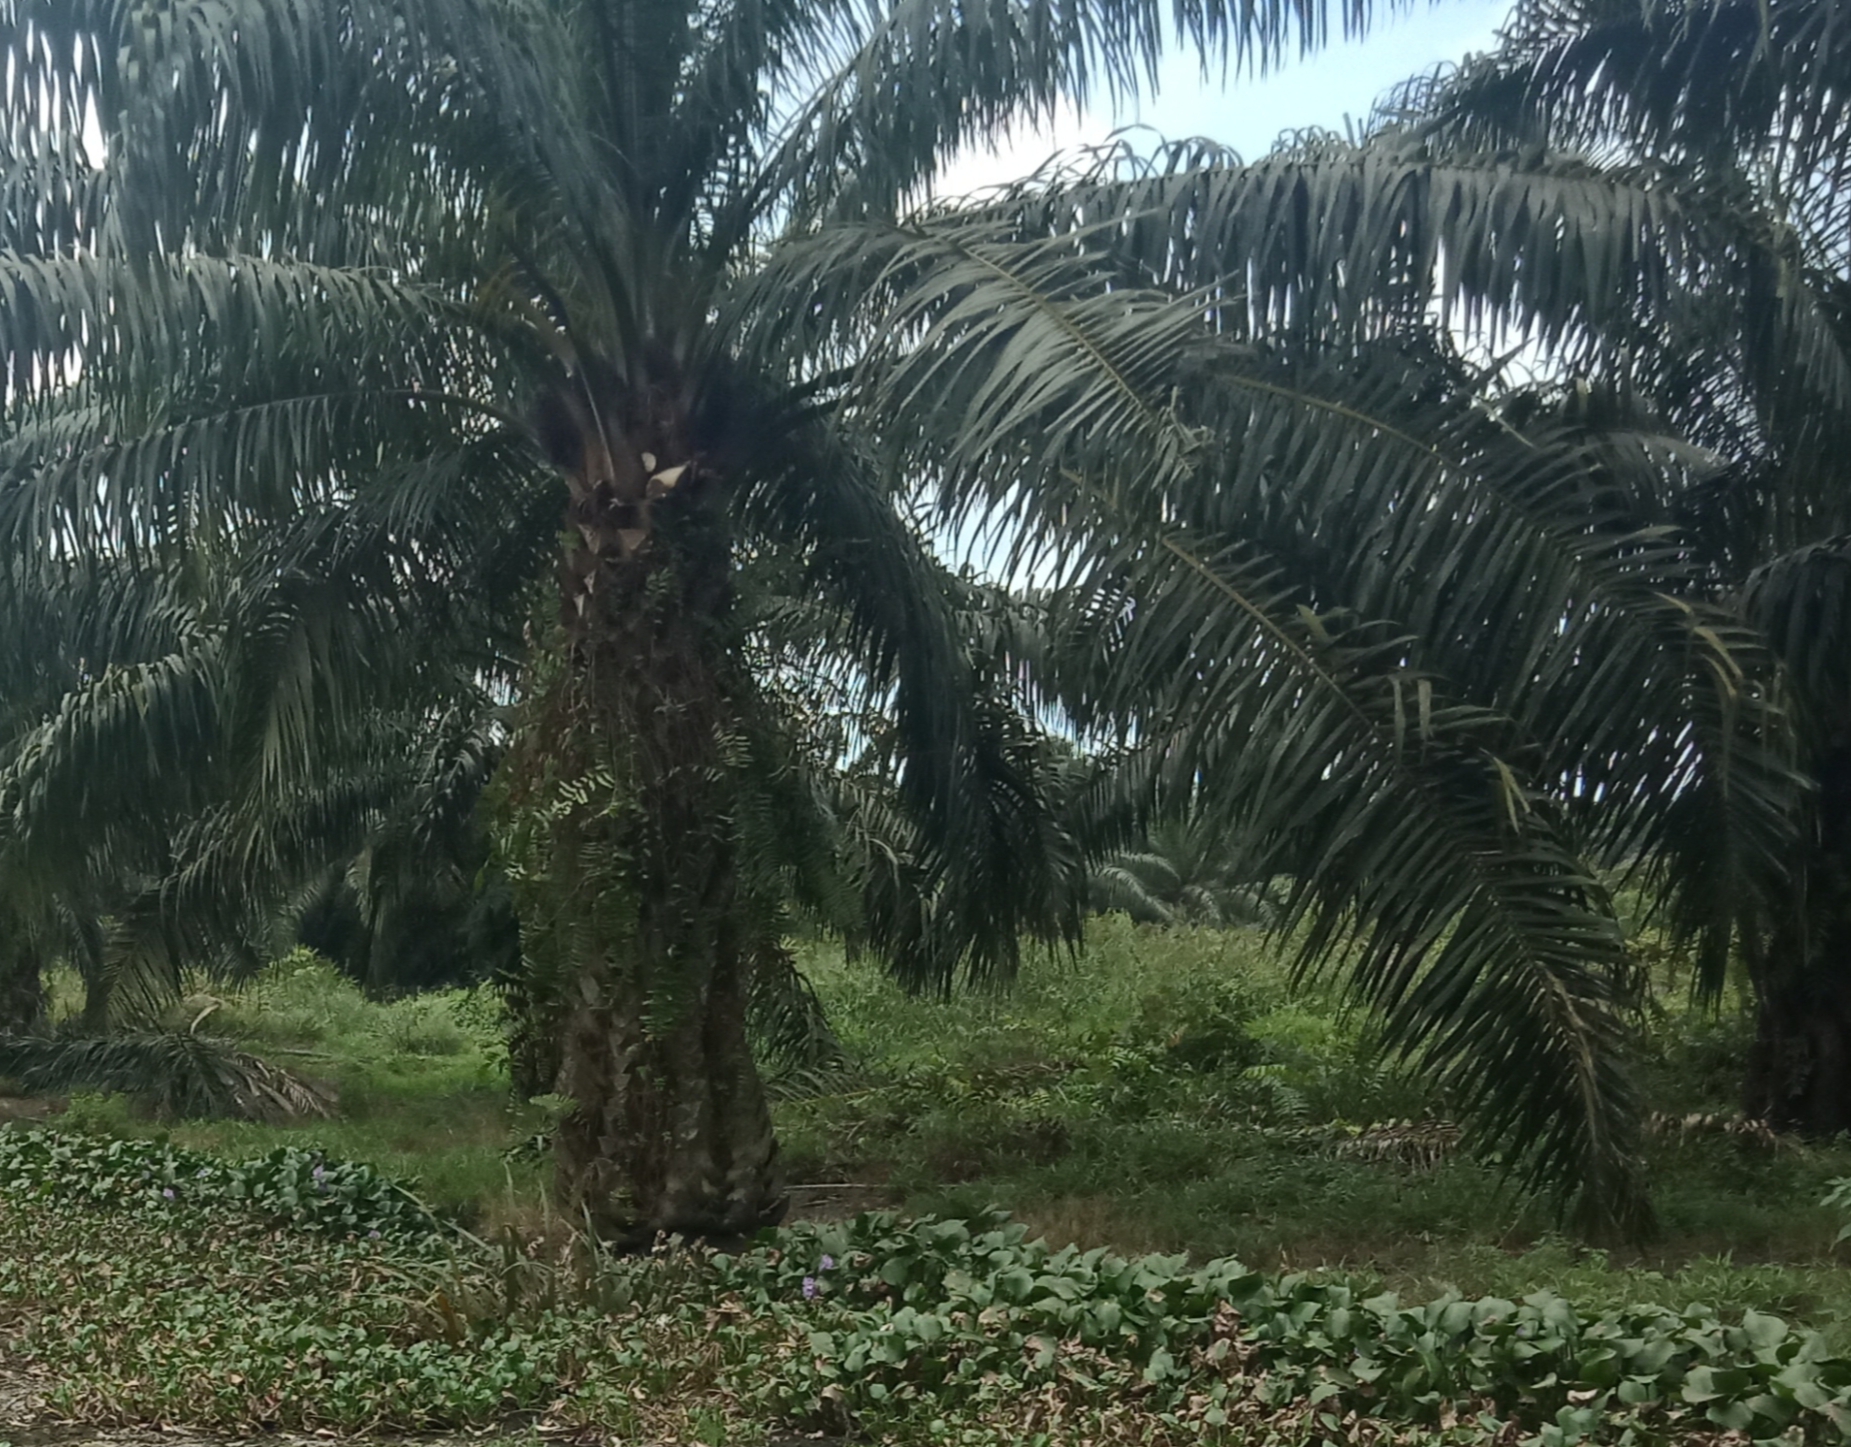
[671,1132]
[647,935]
[22,989]
[1799,1069]
[93,967]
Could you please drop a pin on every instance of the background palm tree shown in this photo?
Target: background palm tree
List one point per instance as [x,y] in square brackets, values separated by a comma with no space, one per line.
[1339,584]
[1183,872]
[1648,202]
[180,764]
[1738,113]
[1340,535]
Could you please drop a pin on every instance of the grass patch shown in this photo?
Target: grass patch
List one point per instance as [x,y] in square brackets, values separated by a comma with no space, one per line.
[1172,1091]
[421,1084]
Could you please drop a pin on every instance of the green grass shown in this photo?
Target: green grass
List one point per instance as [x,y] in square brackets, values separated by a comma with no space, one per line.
[422,1085]
[1164,1091]
[1172,1091]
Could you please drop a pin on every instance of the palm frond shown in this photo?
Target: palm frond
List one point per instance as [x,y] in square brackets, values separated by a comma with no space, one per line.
[788,1021]
[1479,933]
[1702,81]
[1801,601]
[883,92]
[180,1075]
[963,857]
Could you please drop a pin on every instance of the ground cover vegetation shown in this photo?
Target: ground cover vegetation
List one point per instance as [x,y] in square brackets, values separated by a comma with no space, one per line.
[469,493]
[1168,1091]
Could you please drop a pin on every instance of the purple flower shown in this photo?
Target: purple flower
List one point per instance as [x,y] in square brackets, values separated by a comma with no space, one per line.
[168,1192]
[372,1235]
[828,1263]
[318,1172]
[809,1287]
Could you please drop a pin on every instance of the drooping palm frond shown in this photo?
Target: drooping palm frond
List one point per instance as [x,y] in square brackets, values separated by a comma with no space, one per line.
[1701,81]
[1344,554]
[195,739]
[1342,469]
[883,92]
[972,857]
[789,1023]
[1742,110]
[1587,260]
[1479,932]
[178,1075]
[1801,602]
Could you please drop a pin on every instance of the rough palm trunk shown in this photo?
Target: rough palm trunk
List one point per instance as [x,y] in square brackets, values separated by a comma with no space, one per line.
[99,983]
[1799,1071]
[644,934]
[22,989]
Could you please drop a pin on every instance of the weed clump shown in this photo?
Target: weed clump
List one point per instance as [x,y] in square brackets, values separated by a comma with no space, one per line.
[289,1186]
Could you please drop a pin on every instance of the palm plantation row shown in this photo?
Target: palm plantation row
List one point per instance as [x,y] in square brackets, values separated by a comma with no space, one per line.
[491,453]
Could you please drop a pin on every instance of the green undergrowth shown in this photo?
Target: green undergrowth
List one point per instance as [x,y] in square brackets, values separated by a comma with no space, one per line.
[289,1186]
[1175,1091]
[1172,1096]
[421,1084]
[1168,1091]
[227,1309]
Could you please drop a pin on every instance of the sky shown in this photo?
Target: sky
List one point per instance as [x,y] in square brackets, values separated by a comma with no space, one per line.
[1336,84]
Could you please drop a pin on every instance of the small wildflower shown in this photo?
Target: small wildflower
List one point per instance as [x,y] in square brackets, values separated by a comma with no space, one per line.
[168,1192]
[372,1235]
[828,1263]
[809,1287]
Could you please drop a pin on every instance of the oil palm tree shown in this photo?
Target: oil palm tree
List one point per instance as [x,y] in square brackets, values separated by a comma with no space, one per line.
[452,271]
[1740,111]
[1633,620]
[179,763]
[392,262]
[1439,645]
[1184,873]
[1649,202]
